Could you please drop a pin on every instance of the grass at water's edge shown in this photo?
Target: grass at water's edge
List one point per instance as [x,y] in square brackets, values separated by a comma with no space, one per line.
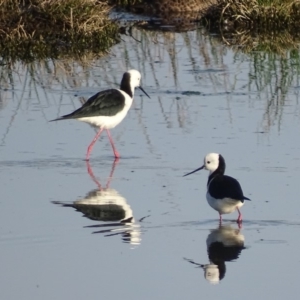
[261,25]
[256,25]
[261,14]
[37,29]
[258,14]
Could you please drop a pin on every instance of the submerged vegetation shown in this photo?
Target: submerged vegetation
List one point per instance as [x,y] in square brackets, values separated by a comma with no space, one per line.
[36,29]
[276,42]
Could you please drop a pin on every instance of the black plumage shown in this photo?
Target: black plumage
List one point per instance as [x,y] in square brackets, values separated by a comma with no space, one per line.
[108,108]
[106,212]
[105,103]
[224,192]
[221,186]
[218,251]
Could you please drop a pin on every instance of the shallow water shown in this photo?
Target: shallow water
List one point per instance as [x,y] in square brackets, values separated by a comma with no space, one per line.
[146,228]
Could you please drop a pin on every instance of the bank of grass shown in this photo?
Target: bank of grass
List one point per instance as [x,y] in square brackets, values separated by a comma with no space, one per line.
[37,29]
[274,14]
[259,14]
[126,3]
[271,26]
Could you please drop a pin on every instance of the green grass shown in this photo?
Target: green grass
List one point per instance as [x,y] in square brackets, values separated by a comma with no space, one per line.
[36,29]
[258,14]
[125,3]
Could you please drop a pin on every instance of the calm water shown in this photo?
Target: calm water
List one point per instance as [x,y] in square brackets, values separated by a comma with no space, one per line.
[69,231]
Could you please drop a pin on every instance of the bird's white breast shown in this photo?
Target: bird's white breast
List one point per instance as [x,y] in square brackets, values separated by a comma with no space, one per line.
[110,197]
[223,206]
[108,122]
[106,197]
[228,236]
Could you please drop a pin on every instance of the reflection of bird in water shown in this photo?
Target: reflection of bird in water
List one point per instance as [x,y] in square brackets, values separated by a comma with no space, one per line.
[223,244]
[108,108]
[107,205]
[224,193]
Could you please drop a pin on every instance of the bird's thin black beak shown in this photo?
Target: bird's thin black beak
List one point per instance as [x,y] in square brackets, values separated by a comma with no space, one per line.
[194,171]
[144,92]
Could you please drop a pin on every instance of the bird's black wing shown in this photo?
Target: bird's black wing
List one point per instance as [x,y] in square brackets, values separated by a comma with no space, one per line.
[226,186]
[105,103]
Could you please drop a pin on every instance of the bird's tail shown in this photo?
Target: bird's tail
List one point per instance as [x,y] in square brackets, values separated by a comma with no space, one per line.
[58,119]
[65,117]
[64,204]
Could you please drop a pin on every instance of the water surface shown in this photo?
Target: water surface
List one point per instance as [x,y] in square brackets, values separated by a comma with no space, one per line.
[146,230]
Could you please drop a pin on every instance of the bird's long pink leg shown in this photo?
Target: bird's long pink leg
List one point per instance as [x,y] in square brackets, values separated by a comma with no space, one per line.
[116,153]
[220,219]
[91,173]
[239,220]
[90,147]
[112,172]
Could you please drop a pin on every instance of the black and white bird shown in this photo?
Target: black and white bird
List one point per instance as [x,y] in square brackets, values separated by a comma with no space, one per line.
[224,244]
[224,193]
[108,108]
[107,206]
[111,208]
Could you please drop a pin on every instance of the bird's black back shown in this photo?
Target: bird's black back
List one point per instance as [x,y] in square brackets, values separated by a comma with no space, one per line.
[105,103]
[217,251]
[223,186]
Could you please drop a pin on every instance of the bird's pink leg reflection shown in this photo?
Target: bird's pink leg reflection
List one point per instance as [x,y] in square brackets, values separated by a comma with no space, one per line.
[91,173]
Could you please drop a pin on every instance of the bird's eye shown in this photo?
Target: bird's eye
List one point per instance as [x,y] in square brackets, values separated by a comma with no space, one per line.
[208,162]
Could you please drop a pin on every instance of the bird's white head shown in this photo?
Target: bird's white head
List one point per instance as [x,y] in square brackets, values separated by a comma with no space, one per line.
[132,79]
[211,162]
[212,273]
